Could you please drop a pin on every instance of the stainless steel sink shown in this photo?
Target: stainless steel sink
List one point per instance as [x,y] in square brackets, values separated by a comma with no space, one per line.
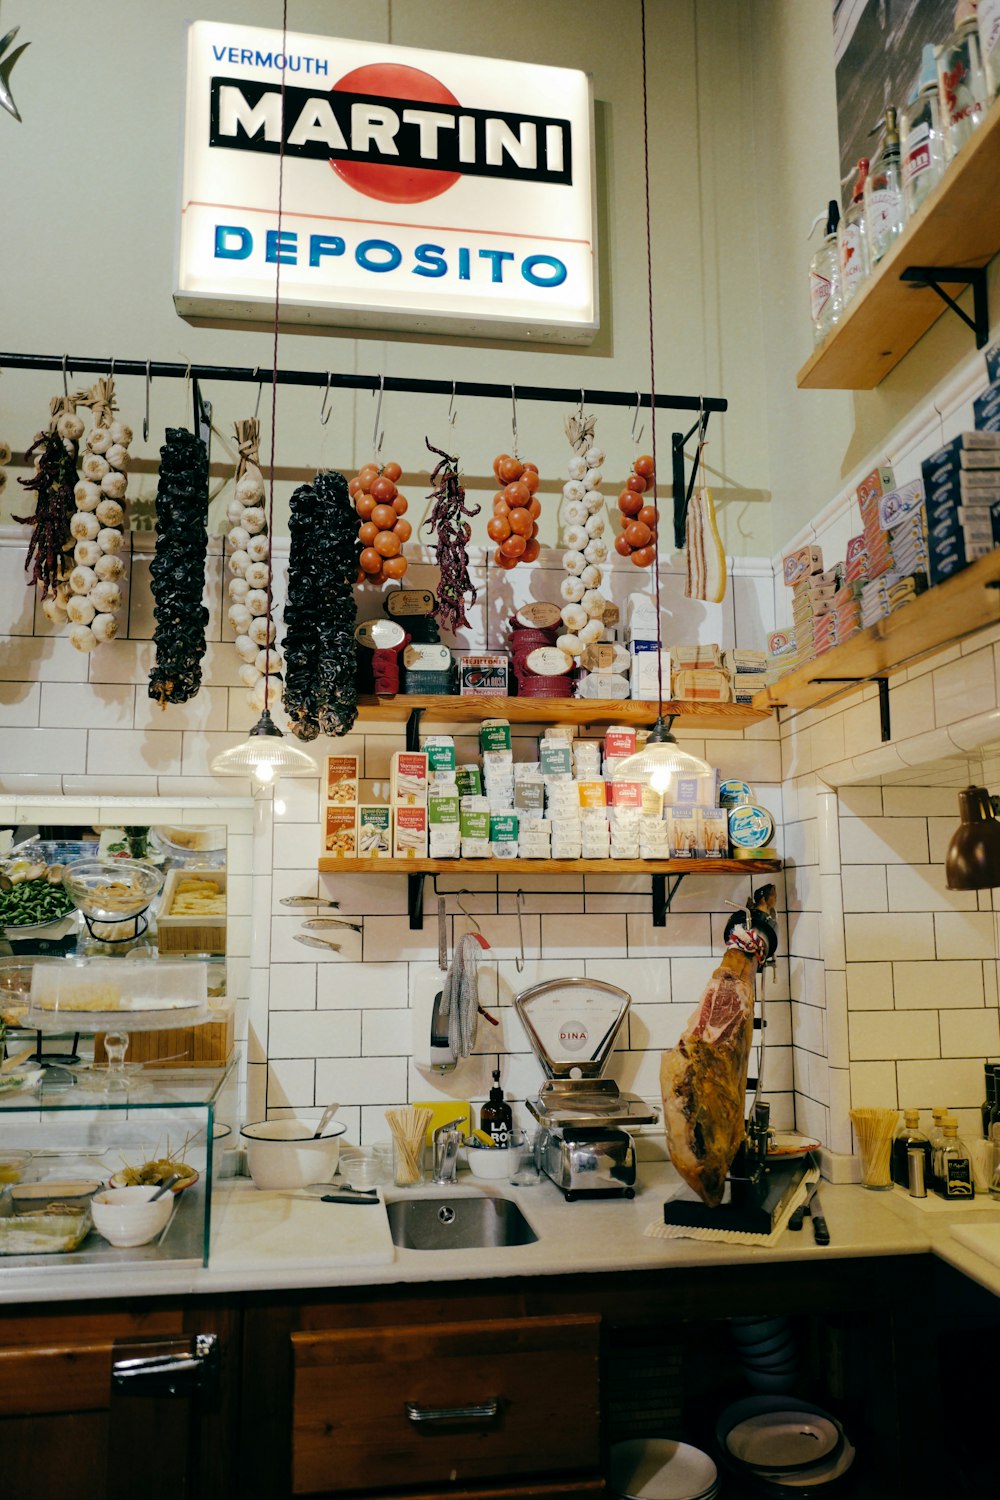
[457,1223]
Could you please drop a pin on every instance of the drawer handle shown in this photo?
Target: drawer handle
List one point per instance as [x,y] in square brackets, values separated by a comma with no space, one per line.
[485,1411]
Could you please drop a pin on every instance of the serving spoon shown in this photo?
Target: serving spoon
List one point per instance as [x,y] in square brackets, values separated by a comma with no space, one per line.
[324,1120]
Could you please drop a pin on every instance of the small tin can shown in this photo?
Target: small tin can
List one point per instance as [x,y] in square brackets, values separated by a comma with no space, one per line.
[915,1172]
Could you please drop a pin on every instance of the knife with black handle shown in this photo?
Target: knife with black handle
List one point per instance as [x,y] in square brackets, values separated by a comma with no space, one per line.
[821,1233]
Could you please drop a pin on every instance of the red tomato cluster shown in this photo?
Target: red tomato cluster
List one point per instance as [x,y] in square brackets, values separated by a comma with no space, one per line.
[637,538]
[383,530]
[516,509]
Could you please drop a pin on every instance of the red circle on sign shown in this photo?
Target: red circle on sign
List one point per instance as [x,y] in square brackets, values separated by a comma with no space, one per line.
[395,184]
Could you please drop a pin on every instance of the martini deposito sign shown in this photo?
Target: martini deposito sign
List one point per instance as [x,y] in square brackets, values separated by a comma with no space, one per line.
[424,191]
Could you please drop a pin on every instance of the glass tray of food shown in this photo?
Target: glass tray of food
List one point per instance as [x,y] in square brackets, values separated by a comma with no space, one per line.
[50,1229]
[118,994]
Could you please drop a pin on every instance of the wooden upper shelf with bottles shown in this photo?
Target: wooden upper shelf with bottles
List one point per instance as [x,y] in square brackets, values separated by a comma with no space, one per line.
[957,226]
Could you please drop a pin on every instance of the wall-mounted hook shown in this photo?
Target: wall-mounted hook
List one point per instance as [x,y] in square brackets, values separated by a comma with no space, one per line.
[260,391]
[377,436]
[519,961]
[581,404]
[637,436]
[513,419]
[65,363]
[326,410]
[145,418]
[467,914]
[452,413]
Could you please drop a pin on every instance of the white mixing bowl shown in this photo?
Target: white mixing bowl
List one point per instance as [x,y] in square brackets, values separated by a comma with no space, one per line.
[284,1154]
[126,1217]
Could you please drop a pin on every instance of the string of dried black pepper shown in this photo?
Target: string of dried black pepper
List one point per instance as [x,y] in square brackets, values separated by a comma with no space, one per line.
[177,572]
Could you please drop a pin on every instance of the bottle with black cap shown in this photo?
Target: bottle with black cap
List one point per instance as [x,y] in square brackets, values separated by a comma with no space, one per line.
[496,1117]
[991,1094]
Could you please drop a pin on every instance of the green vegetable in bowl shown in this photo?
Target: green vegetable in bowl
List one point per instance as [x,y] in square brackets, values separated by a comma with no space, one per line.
[33,901]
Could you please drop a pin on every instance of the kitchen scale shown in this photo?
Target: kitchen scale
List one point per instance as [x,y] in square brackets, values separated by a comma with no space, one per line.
[584,1145]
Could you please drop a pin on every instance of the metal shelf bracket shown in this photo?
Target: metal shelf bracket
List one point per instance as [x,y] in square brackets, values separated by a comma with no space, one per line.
[974,276]
[415,901]
[683,487]
[662,897]
[885,722]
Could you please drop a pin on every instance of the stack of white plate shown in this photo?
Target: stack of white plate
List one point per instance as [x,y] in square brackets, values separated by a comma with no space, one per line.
[784,1446]
[660,1469]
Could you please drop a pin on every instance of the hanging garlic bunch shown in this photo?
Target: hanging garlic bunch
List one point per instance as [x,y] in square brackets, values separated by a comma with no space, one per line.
[584,522]
[249,565]
[98,524]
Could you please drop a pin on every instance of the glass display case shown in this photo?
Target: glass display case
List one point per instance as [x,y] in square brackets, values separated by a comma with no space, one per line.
[83,1128]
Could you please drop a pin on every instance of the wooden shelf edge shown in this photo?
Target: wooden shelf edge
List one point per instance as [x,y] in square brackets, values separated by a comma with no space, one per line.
[973,176]
[583,711]
[967,602]
[328,865]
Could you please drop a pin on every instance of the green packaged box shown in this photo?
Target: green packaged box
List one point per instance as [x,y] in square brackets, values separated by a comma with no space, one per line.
[503,828]
[440,756]
[470,781]
[556,759]
[442,809]
[475,825]
[494,736]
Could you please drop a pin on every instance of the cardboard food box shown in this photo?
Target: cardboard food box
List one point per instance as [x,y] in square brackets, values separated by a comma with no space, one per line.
[483,674]
[341,785]
[410,833]
[340,832]
[198,929]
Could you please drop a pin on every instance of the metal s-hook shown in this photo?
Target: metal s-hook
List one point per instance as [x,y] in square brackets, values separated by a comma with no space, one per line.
[376,435]
[513,419]
[519,961]
[467,914]
[637,436]
[452,413]
[260,391]
[326,411]
[145,419]
[65,362]
[581,404]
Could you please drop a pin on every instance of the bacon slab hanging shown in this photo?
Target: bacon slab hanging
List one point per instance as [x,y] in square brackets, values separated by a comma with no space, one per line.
[703,1079]
[706,556]
[453,534]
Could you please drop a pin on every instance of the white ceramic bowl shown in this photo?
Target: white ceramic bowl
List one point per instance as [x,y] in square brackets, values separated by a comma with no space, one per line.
[497,1163]
[126,1216]
[283,1153]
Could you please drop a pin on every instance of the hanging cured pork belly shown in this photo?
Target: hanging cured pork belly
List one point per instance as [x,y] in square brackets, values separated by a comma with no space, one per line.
[704,1078]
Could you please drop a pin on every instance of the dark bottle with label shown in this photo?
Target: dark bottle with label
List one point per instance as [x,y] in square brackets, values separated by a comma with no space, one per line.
[908,1136]
[496,1117]
[990,1100]
[955,1179]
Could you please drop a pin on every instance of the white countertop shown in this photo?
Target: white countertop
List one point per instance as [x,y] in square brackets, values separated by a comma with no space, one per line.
[255,1252]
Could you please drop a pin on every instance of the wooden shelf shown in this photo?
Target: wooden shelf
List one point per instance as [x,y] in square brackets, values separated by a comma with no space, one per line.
[958,225]
[330,866]
[582,711]
[966,602]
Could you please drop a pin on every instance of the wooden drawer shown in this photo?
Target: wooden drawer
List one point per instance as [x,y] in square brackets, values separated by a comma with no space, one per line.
[374,1408]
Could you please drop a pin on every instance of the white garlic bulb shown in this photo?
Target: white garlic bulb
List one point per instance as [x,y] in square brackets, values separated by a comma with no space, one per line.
[52,611]
[268,661]
[99,440]
[82,580]
[239,538]
[572,590]
[590,577]
[262,631]
[238,563]
[109,568]
[593,602]
[114,484]
[574,617]
[87,554]
[118,457]
[594,457]
[577,467]
[239,617]
[591,632]
[573,561]
[248,674]
[87,495]
[70,427]
[593,502]
[574,513]
[109,512]
[106,596]
[258,575]
[238,590]
[256,601]
[571,644]
[105,627]
[575,538]
[110,539]
[83,638]
[94,467]
[80,609]
[254,520]
[595,525]
[260,699]
[121,432]
[258,549]
[246,648]
[596,551]
[592,479]
[573,490]
[250,489]
[84,526]
[234,513]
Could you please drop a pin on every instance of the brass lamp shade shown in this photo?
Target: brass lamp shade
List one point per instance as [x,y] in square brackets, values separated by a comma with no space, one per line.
[973,859]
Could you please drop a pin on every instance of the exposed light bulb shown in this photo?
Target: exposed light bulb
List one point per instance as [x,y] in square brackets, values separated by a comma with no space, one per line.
[263,772]
[661,780]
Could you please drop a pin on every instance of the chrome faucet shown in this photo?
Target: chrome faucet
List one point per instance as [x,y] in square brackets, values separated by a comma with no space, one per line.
[446,1141]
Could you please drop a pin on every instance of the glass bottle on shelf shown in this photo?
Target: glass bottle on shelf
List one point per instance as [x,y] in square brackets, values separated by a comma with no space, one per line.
[988,17]
[922,138]
[936,1137]
[986,1109]
[961,80]
[884,194]
[955,1179]
[909,1135]
[852,243]
[824,276]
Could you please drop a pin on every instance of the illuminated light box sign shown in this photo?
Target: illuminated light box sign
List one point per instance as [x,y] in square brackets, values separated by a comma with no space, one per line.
[423,191]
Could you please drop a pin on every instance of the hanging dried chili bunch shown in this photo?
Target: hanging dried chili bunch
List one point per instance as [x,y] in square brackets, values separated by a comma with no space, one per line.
[320,651]
[49,559]
[452,533]
[178,568]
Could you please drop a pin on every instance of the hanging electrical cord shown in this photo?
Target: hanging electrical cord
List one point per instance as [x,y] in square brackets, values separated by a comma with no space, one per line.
[652,343]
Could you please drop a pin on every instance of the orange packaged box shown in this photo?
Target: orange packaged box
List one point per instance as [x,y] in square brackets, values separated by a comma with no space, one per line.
[340,832]
[342,780]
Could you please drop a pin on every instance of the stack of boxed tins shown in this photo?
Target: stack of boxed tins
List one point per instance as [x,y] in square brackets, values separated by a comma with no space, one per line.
[749,671]
[408,800]
[878,553]
[443,824]
[986,408]
[541,668]
[782,653]
[646,667]
[962,487]
[842,620]
[606,675]
[699,676]
[812,595]
[340,807]
[904,517]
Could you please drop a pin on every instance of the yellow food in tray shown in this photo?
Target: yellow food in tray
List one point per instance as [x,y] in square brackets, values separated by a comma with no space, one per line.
[198,896]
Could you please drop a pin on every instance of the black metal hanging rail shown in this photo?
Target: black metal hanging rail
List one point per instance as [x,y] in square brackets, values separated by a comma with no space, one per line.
[158,369]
